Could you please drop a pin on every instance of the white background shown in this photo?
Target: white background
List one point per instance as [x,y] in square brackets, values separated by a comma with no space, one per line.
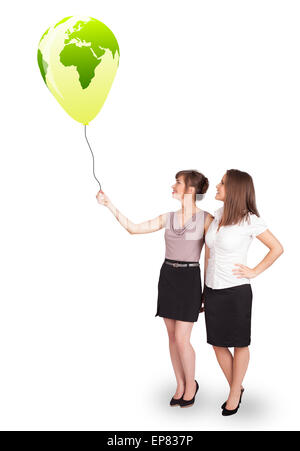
[208,85]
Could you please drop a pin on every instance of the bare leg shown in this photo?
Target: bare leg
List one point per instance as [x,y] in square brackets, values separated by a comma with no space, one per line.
[187,354]
[240,365]
[225,360]
[175,358]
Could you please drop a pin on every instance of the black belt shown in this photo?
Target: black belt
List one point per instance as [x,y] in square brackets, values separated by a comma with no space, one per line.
[184,265]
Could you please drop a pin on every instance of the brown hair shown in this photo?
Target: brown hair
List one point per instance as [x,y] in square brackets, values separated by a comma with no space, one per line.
[239,197]
[196,179]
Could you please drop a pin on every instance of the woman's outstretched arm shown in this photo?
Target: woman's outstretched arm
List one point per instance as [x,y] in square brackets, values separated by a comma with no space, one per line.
[149,226]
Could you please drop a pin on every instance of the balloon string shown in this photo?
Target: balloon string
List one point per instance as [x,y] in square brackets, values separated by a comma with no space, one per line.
[92,156]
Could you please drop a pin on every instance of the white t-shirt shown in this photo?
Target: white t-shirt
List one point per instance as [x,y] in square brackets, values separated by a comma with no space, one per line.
[227,247]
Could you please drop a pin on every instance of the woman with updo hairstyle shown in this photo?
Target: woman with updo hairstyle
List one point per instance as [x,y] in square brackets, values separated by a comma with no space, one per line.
[179,286]
[227,292]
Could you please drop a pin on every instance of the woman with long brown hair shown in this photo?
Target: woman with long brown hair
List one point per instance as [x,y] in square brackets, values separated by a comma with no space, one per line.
[179,286]
[227,292]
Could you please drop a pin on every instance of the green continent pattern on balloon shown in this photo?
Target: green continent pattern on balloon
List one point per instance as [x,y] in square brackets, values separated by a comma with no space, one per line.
[42,65]
[78,58]
[62,21]
[85,53]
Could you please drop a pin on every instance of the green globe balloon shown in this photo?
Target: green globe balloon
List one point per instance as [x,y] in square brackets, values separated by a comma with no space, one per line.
[78,60]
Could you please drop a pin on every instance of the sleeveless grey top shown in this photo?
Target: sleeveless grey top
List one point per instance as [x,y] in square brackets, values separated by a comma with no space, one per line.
[184,243]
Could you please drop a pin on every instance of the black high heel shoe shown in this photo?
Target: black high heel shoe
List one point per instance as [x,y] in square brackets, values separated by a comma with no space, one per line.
[175,401]
[224,404]
[189,402]
[226,412]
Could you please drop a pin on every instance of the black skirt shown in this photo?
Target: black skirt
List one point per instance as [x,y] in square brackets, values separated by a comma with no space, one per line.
[228,315]
[179,292]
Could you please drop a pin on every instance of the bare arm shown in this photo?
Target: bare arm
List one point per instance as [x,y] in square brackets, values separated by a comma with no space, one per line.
[276,249]
[208,221]
[149,226]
